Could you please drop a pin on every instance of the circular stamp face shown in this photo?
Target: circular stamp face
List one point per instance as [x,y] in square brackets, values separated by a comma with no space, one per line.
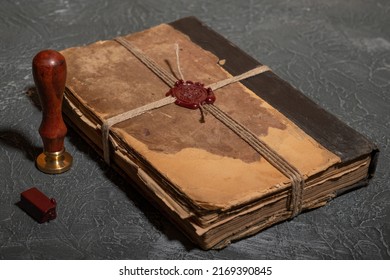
[191,95]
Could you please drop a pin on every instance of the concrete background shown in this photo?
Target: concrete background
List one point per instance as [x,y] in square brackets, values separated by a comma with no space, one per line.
[336,52]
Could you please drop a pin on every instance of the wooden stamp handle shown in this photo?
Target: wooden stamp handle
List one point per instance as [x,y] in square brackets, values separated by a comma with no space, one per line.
[49,71]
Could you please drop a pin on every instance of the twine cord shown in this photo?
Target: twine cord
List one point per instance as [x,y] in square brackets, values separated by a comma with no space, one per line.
[253,72]
[297,180]
[107,124]
[164,75]
[178,61]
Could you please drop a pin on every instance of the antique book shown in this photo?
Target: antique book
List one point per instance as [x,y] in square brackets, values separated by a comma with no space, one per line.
[252,152]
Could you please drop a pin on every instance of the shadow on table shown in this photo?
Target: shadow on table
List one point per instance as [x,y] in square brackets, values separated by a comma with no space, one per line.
[17,140]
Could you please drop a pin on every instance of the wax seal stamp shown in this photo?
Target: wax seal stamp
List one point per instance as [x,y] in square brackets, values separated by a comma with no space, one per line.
[38,205]
[191,95]
[49,71]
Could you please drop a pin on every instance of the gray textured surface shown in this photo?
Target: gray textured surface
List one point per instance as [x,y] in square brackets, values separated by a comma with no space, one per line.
[336,52]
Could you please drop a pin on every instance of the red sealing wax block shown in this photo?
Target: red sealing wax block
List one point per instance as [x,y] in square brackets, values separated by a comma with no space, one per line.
[38,205]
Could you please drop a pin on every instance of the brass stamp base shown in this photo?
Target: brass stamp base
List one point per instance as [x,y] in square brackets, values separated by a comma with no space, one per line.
[54,163]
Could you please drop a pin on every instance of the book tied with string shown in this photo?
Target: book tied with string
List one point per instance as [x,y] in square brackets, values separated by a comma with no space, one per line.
[257,153]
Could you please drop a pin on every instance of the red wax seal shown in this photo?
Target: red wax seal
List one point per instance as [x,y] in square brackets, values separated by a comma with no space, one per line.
[191,95]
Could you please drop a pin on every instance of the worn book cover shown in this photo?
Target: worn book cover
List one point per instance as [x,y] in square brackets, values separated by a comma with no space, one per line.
[258,152]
